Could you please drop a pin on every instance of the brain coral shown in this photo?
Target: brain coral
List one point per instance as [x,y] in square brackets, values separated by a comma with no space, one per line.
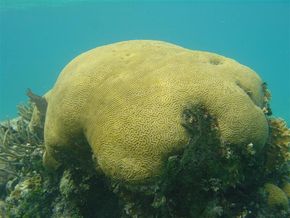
[126,100]
[276,197]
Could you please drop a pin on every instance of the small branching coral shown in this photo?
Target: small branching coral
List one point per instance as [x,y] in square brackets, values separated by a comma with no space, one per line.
[17,144]
[20,147]
[278,146]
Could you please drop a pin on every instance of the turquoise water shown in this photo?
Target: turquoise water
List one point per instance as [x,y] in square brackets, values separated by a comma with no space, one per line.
[38,39]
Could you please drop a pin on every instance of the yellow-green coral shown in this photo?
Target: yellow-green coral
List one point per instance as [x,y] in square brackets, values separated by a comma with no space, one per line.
[276,197]
[279,144]
[280,137]
[126,99]
[286,189]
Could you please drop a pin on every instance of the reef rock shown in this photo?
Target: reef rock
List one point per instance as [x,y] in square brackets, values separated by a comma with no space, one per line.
[127,100]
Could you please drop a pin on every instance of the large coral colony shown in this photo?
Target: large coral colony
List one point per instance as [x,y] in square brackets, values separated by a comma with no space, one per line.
[147,129]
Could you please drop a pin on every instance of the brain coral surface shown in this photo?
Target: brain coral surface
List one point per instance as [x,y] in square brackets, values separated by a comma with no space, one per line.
[126,100]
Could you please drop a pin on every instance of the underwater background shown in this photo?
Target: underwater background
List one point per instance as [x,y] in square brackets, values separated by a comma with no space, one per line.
[38,38]
[107,166]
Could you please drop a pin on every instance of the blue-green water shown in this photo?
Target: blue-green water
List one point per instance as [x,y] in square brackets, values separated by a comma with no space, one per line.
[38,39]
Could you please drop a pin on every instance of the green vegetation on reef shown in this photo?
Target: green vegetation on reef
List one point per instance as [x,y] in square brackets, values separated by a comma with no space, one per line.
[208,178]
